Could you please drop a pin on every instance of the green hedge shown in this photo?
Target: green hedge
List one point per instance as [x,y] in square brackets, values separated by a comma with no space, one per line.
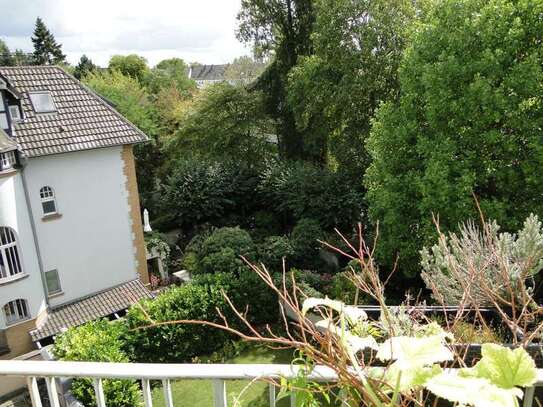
[175,342]
[98,341]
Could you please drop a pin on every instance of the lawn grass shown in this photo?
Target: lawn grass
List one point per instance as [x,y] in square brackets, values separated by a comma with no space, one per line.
[199,393]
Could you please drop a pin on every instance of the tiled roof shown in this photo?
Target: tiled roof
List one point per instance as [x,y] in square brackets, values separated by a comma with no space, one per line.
[6,143]
[82,119]
[87,309]
[208,72]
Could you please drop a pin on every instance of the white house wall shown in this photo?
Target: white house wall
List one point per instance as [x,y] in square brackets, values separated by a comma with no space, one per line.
[14,214]
[90,244]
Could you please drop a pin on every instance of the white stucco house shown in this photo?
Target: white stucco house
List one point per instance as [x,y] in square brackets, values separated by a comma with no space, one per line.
[71,238]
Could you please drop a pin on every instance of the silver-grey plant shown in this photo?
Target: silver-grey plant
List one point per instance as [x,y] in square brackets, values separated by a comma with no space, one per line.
[479,265]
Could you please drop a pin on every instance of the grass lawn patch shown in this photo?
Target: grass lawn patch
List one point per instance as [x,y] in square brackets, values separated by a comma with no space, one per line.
[199,393]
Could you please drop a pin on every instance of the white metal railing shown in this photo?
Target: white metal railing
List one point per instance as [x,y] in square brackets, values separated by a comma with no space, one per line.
[146,372]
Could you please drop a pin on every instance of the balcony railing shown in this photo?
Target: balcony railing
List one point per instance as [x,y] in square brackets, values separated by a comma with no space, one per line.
[145,373]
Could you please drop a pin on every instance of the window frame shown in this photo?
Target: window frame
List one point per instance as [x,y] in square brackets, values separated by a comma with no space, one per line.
[42,92]
[49,292]
[18,307]
[50,197]
[10,254]
[8,160]
[17,117]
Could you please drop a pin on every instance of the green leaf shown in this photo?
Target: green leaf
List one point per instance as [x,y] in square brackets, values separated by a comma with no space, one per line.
[472,391]
[310,303]
[412,352]
[410,378]
[506,368]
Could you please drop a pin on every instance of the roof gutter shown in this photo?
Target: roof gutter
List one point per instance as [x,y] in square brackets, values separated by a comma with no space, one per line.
[34,234]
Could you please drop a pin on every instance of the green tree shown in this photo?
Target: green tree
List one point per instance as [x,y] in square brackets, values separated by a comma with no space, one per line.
[334,93]
[170,73]
[6,59]
[46,49]
[467,122]
[131,65]
[84,67]
[171,90]
[226,121]
[132,100]
[244,70]
[281,28]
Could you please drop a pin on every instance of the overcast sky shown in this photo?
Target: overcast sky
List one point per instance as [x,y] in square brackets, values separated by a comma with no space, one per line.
[195,30]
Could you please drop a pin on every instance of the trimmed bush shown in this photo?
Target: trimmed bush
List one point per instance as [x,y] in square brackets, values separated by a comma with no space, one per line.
[221,251]
[304,239]
[296,191]
[272,251]
[98,341]
[247,292]
[176,342]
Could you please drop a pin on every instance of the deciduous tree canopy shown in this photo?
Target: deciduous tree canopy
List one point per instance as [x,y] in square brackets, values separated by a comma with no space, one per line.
[468,121]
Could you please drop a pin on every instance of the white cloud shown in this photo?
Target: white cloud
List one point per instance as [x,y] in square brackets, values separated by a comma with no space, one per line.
[202,30]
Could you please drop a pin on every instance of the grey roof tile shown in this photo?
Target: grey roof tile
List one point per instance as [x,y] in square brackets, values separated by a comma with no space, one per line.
[83,120]
[87,309]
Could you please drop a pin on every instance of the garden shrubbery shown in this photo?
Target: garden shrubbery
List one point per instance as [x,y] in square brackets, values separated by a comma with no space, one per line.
[221,251]
[98,341]
[175,343]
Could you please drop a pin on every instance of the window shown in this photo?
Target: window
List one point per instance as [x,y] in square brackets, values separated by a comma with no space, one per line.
[53,282]
[15,113]
[42,102]
[48,201]
[10,262]
[7,160]
[16,310]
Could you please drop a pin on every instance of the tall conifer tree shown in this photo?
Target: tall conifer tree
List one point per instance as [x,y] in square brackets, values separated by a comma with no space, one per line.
[46,50]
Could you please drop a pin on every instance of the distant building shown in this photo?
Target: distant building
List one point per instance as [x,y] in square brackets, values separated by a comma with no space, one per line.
[205,75]
[71,238]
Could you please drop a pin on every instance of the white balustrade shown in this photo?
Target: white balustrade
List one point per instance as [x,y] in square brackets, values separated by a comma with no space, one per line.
[51,371]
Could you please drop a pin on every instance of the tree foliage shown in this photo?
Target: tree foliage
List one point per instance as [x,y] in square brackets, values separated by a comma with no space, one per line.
[282,28]
[467,122]
[132,65]
[46,49]
[226,121]
[84,67]
[243,70]
[5,56]
[333,93]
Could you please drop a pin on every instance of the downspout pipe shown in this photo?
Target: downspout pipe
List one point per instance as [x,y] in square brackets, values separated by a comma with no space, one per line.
[34,232]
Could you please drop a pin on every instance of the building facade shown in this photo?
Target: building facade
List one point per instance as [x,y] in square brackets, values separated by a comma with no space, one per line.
[71,238]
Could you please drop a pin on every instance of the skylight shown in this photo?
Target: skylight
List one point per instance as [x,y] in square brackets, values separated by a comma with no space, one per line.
[42,102]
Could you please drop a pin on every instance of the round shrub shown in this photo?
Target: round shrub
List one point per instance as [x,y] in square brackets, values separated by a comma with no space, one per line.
[98,341]
[272,251]
[176,342]
[221,252]
[247,292]
[304,239]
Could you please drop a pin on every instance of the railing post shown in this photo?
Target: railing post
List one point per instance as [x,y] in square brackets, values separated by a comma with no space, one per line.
[35,398]
[293,399]
[167,389]
[52,390]
[99,393]
[528,397]
[147,398]
[219,393]
[271,388]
